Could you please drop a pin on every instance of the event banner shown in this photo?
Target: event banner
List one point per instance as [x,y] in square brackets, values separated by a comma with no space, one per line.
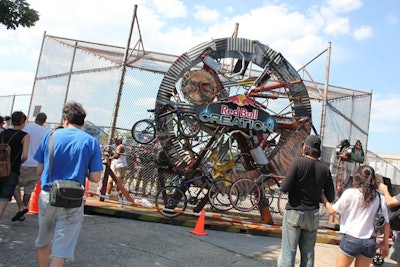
[231,114]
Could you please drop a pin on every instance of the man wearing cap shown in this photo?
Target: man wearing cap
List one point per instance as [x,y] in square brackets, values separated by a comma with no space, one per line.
[306,178]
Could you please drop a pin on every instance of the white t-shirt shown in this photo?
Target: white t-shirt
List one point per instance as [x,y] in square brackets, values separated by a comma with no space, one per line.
[36,133]
[356,220]
[120,162]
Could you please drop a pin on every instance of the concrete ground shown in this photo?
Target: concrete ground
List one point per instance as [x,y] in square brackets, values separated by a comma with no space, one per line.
[115,241]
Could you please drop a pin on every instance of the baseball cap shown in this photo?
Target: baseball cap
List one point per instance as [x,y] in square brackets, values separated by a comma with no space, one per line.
[313,141]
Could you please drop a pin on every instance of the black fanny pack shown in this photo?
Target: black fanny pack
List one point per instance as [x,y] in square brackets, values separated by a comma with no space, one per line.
[66,194]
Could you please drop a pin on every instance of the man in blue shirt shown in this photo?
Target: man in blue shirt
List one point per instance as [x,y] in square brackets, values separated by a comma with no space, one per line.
[76,155]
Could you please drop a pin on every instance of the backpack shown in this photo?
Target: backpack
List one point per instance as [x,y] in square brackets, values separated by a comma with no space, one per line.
[5,156]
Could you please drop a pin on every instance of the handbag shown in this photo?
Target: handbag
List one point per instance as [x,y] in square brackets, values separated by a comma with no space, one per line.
[379,220]
[63,193]
[66,194]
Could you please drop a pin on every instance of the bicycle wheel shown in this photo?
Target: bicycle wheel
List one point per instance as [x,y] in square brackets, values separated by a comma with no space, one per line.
[144,131]
[218,195]
[188,125]
[171,198]
[282,201]
[244,194]
[271,193]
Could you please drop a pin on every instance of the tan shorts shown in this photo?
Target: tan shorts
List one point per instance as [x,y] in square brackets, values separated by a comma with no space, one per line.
[28,179]
[120,173]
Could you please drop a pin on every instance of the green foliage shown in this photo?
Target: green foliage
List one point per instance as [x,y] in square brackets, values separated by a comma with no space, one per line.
[15,13]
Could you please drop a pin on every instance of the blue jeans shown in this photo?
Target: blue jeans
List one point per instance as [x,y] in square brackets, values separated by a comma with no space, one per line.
[353,247]
[299,228]
[7,187]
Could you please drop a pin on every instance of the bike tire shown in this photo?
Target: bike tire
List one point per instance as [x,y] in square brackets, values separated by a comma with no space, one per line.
[218,195]
[271,189]
[144,131]
[244,194]
[188,125]
[170,197]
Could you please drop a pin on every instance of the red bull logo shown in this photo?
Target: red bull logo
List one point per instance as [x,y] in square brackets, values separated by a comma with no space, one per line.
[239,112]
[241,100]
[227,113]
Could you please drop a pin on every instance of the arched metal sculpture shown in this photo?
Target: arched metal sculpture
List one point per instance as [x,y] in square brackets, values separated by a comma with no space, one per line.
[248,99]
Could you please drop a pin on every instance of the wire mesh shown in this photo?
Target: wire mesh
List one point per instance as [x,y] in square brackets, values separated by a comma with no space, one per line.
[90,73]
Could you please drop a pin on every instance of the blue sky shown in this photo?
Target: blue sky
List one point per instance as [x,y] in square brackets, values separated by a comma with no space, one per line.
[365,36]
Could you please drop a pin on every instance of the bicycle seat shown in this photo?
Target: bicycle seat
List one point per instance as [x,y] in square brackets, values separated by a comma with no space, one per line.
[151,110]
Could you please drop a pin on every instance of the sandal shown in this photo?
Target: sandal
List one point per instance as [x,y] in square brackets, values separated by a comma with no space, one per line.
[19,215]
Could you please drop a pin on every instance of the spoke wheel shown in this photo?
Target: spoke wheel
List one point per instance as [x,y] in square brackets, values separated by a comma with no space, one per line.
[271,193]
[244,194]
[171,198]
[218,195]
[188,125]
[144,131]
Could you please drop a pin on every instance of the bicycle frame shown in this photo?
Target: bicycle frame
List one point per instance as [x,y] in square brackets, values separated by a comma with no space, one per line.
[145,131]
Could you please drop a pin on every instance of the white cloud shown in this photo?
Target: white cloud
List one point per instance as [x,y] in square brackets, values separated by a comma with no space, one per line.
[392,20]
[170,9]
[362,33]
[338,26]
[344,6]
[16,82]
[205,14]
[385,114]
[386,107]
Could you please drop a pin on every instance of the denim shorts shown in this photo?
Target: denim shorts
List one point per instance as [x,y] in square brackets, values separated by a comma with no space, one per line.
[59,227]
[353,247]
[7,187]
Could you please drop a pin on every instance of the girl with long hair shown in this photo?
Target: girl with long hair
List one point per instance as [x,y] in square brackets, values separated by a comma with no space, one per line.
[357,207]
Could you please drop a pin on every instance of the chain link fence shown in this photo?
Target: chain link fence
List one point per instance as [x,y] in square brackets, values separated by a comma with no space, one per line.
[10,103]
[92,74]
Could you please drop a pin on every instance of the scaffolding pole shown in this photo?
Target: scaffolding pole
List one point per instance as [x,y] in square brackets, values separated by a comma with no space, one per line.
[121,83]
[325,96]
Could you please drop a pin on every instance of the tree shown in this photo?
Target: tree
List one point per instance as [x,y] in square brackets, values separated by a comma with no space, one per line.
[14,13]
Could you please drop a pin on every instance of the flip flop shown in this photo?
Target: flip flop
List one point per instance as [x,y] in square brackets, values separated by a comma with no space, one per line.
[19,215]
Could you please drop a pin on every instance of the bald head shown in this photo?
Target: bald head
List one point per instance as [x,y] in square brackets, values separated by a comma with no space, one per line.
[41,118]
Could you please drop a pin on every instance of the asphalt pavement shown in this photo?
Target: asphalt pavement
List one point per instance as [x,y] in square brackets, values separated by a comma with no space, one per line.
[115,241]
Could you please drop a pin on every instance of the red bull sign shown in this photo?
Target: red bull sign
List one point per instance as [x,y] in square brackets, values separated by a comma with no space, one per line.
[231,114]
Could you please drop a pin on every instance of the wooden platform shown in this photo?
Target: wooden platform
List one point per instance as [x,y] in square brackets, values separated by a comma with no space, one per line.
[213,221]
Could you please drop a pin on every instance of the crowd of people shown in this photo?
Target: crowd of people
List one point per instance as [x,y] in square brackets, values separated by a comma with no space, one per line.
[41,156]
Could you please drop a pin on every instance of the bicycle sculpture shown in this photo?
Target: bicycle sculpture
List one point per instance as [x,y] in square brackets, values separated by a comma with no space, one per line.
[144,131]
[251,105]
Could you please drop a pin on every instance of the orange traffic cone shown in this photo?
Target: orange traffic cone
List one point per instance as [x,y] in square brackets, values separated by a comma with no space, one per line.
[34,201]
[199,228]
[87,187]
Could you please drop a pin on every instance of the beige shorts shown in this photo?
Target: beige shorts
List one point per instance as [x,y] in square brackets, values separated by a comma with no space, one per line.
[28,179]
[120,173]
